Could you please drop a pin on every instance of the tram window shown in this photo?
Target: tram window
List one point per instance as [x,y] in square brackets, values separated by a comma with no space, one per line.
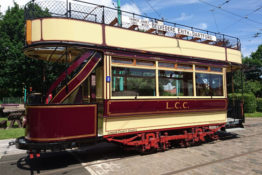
[133,82]
[209,84]
[175,83]
[216,69]
[169,65]
[122,61]
[145,63]
[184,66]
[202,68]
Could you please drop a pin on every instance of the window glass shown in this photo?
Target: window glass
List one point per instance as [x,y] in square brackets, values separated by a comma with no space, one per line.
[145,63]
[170,65]
[216,69]
[209,85]
[184,66]
[133,82]
[123,61]
[175,83]
[201,68]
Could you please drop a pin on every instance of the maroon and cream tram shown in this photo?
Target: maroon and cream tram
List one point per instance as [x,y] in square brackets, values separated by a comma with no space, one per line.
[132,80]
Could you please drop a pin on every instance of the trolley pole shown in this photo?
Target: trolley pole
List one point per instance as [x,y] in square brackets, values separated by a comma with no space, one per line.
[119,13]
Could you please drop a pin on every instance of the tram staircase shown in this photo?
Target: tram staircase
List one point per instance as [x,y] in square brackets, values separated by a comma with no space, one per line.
[79,70]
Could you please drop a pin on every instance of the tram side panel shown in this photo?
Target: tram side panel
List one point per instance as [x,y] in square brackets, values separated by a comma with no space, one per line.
[151,115]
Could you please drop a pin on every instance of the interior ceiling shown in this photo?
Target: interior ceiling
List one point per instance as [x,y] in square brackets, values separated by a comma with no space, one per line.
[54,53]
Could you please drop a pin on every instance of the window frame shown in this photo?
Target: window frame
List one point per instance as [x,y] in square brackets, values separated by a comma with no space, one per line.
[156,67]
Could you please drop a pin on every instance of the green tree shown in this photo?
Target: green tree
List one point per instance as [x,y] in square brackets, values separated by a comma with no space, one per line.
[16,70]
[253,67]
[11,46]
[253,72]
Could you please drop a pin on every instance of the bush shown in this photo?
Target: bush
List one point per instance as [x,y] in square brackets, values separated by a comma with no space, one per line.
[259,104]
[250,103]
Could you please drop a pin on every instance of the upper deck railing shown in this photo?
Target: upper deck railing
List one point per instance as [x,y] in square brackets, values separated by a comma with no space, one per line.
[77,9]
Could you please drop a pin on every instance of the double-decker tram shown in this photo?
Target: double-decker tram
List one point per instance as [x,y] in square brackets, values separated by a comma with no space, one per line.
[140,82]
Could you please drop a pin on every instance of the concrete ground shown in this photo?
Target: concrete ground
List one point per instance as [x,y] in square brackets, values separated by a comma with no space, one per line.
[241,153]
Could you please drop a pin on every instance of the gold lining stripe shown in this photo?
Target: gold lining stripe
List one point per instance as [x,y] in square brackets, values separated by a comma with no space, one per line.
[62,106]
[60,138]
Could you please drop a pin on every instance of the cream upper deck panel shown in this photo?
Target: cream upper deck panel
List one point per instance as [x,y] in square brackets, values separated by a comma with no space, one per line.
[59,29]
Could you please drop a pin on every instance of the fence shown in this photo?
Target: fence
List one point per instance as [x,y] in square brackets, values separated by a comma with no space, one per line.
[77,9]
[12,100]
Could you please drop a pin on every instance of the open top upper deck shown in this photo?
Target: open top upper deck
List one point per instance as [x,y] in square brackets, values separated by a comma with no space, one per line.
[100,27]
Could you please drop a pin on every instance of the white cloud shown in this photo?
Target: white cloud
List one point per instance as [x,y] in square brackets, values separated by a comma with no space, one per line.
[9,3]
[183,16]
[131,8]
[202,26]
[108,3]
[247,51]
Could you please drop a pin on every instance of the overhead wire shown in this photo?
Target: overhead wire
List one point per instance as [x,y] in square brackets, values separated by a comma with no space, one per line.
[156,12]
[213,14]
[220,6]
[229,12]
[135,4]
[246,16]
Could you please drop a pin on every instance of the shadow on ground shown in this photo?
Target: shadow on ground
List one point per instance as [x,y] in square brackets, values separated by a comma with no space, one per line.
[66,161]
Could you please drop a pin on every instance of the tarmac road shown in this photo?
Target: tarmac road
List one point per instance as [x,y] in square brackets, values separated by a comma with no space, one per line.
[241,153]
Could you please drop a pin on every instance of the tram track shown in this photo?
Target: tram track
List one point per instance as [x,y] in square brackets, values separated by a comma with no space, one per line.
[212,162]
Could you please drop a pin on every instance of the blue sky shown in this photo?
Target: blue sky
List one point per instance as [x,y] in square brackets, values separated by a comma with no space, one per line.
[196,13]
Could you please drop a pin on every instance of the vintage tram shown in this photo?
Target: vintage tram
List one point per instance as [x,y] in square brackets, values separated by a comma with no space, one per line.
[133,80]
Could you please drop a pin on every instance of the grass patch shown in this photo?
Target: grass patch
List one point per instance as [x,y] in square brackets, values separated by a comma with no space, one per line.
[255,114]
[11,133]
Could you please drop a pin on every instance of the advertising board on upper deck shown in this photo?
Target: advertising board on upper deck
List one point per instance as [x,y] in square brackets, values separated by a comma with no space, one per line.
[145,24]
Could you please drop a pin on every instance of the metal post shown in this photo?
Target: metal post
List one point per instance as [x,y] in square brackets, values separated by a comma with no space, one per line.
[223,40]
[232,82]
[119,13]
[103,14]
[242,91]
[69,9]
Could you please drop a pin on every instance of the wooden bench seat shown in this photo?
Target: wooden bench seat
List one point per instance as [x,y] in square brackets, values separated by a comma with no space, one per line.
[133,27]
[151,30]
[179,36]
[114,22]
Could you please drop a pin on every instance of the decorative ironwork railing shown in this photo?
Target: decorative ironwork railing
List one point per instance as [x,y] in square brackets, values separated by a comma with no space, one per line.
[77,9]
